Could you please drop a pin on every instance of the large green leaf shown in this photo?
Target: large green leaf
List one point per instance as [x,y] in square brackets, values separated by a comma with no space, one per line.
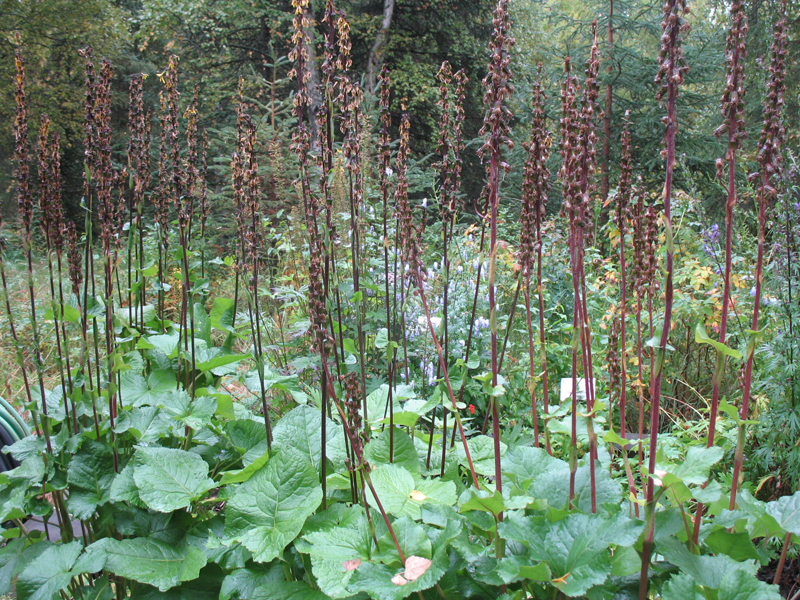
[146,423]
[207,535]
[405,454]
[707,571]
[123,488]
[481,448]
[169,479]
[701,337]
[287,590]
[760,523]
[150,560]
[377,578]
[412,540]
[222,314]
[138,391]
[378,404]
[242,583]
[205,587]
[786,511]
[301,429]
[694,468]
[207,359]
[524,464]
[90,475]
[575,548]
[195,413]
[402,495]
[553,485]
[516,568]
[53,570]
[482,500]
[738,546]
[336,539]
[740,585]
[268,511]
[14,557]
[166,343]
[681,587]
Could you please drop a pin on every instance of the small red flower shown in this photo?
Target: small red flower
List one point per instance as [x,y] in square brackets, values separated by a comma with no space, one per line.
[471,409]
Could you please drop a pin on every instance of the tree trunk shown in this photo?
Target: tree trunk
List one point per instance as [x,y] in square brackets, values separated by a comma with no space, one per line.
[375,60]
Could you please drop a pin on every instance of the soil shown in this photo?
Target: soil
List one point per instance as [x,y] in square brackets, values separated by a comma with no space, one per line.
[790,580]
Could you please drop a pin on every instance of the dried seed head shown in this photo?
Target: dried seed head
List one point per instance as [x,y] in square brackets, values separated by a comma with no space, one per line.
[88,120]
[444,146]
[569,173]
[622,214]
[650,272]
[24,200]
[139,143]
[497,83]
[299,56]
[672,65]
[49,157]
[773,132]
[639,266]
[587,158]
[536,182]
[352,393]
[732,102]
[74,259]
[386,124]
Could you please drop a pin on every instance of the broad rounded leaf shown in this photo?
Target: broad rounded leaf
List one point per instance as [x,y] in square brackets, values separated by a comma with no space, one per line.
[268,511]
[169,479]
[786,511]
[53,570]
[739,585]
[150,561]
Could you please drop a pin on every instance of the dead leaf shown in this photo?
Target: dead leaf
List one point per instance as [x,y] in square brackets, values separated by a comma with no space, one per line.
[399,580]
[352,564]
[418,496]
[416,567]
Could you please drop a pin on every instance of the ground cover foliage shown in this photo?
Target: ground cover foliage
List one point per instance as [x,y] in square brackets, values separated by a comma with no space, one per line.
[361,398]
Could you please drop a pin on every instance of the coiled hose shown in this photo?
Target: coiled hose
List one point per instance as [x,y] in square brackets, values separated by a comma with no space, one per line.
[12,429]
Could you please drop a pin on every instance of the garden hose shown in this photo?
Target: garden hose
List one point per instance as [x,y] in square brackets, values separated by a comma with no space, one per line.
[7,462]
[20,427]
[12,429]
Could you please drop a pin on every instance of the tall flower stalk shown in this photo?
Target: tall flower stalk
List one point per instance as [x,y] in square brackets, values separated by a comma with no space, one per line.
[622,216]
[733,112]
[585,235]
[769,161]
[409,235]
[672,69]
[139,166]
[732,105]
[25,204]
[571,193]
[535,186]
[52,222]
[386,157]
[495,131]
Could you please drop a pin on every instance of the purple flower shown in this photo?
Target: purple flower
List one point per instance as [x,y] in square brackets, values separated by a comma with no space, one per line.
[710,239]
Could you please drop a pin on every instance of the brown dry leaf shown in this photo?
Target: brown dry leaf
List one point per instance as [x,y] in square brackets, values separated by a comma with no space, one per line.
[352,564]
[416,567]
[418,496]
[399,580]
